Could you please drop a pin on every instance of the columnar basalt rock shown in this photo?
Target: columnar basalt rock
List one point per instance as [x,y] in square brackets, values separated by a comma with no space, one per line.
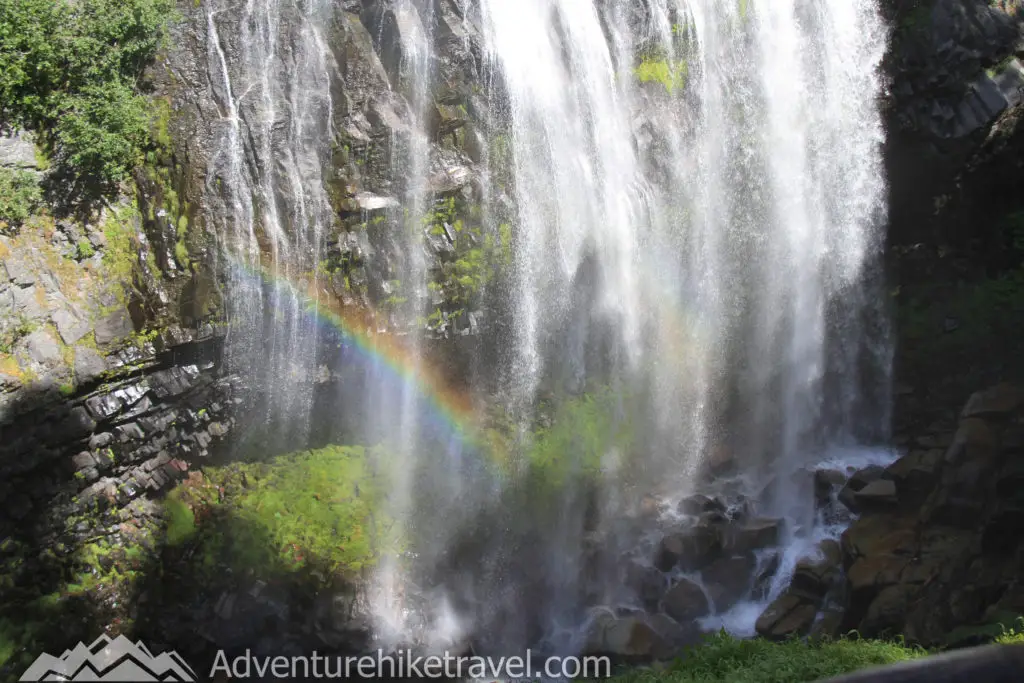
[938,562]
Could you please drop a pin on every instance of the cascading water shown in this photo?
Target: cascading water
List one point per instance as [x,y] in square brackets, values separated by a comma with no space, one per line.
[696,202]
[266,193]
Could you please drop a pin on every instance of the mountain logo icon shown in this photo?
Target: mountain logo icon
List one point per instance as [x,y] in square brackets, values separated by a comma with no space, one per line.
[110,660]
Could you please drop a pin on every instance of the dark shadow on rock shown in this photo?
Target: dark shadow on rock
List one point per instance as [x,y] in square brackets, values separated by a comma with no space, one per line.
[74,523]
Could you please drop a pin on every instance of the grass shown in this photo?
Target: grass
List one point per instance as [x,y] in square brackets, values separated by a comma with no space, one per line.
[724,659]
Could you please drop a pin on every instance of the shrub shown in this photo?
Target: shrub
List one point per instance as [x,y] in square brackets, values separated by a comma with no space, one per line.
[20,196]
[70,70]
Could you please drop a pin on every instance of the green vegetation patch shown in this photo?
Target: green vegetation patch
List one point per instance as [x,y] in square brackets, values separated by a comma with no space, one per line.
[671,74]
[20,196]
[71,71]
[724,659]
[313,510]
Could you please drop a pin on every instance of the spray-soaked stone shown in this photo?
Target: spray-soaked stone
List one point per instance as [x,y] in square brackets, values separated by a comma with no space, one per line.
[686,601]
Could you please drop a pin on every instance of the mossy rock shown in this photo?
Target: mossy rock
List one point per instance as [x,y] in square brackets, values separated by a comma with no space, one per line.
[310,511]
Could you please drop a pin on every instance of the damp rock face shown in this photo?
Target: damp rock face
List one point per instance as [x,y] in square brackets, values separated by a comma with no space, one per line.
[931,561]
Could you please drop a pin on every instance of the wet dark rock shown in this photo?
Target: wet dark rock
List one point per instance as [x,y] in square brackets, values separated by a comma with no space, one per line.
[699,504]
[689,549]
[625,637]
[647,581]
[728,579]
[754,534]
[787,616]
[814,577]
[880,493]
[858,480]
[686,601]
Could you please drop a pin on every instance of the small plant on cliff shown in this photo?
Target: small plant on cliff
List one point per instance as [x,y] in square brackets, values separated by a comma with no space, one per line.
[20,196]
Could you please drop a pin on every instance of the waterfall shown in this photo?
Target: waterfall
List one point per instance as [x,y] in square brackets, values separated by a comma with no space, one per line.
[696,203]
[266,194]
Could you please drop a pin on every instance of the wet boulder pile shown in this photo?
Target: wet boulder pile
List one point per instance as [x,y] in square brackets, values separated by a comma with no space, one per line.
[936,552]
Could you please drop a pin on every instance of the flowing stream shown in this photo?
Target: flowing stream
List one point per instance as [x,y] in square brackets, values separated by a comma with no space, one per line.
[697,206]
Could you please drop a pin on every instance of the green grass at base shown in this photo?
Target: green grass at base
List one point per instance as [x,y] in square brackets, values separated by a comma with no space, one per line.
[724,659]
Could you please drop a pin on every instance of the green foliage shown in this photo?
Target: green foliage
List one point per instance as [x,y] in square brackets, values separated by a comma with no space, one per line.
[1013,636]
[672,75]
[584,431]
[101,131]
[84,249]
[313,510]
[724,659]
[181,521]
[70,70]
[998,627]
[20,196]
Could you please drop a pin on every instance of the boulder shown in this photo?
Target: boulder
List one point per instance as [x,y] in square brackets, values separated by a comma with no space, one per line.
[686,601]
[88,364]
[1000,401]
[42,348]
[857,482]
[916,472]
[698,504]
[690,549]
[729,579]
[887,611]
[826,483]
[113,327]
[754,534]
[788,615]
[975,439]
[648,583]
[677,634]
[814,576]
[878,495]
[70,326]
[625,637]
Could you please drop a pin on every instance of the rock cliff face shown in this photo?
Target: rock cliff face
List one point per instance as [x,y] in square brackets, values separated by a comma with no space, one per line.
[935,554]
[373,126]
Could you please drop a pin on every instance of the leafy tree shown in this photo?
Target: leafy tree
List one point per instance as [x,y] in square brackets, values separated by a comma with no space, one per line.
[71,71]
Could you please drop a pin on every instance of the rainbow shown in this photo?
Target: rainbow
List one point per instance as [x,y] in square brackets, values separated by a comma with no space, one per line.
[449,407]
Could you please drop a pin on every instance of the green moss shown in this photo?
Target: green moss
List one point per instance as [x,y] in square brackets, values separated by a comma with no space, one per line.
[672,75]
[120,256]
[181,254]
[724,659]
[161,119]
[313,510]
[181,521]
[67,389]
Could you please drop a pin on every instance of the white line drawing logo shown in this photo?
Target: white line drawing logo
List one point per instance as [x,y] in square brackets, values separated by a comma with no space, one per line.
[110,660]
